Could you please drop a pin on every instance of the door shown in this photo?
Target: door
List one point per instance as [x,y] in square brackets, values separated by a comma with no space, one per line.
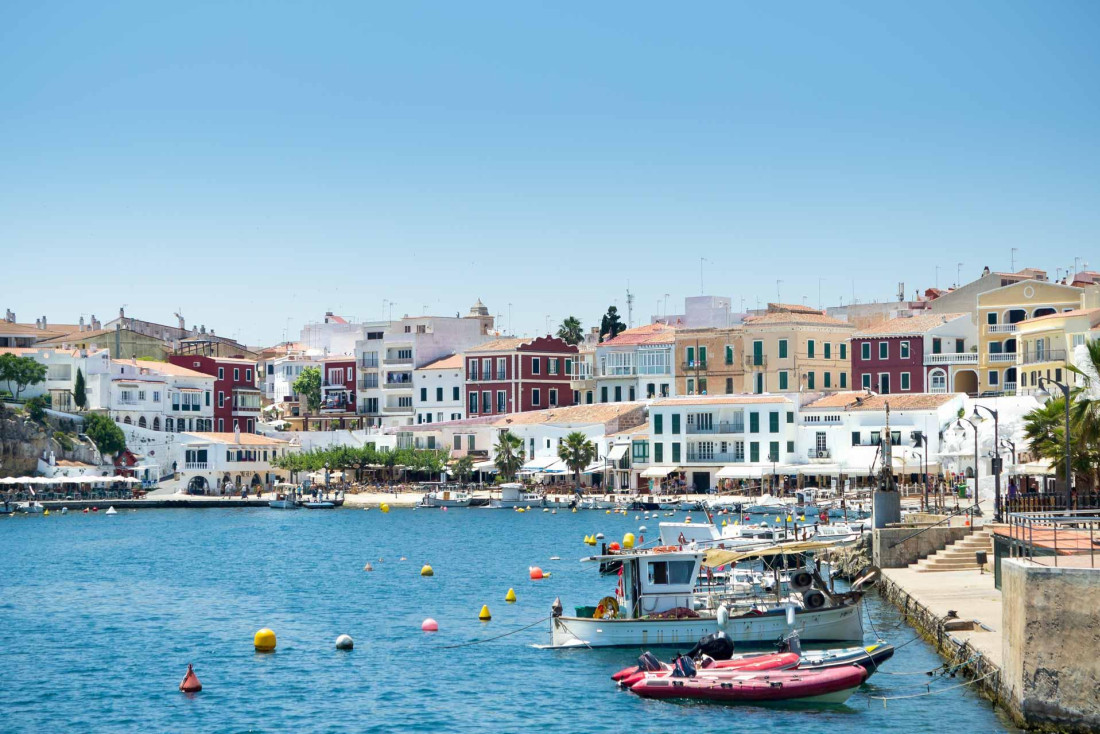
[700,481]
[884,384]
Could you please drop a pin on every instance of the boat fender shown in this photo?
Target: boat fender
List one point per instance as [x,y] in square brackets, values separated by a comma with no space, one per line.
[723,616]
[801,581]
[607,608]
[813,599]
[867,577]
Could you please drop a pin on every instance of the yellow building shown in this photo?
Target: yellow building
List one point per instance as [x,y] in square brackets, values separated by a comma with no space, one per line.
[1000,313]
[792,347]
[1047,344]
[709,361]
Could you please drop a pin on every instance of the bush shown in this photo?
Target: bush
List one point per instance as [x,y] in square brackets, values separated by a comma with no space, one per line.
[105,433]
[64,440]
[36,408]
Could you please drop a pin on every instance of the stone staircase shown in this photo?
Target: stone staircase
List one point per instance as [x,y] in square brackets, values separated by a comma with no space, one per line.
[959,556]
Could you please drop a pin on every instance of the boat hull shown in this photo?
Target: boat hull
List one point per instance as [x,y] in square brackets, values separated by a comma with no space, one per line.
[283,504]
[831,686]
[837,624]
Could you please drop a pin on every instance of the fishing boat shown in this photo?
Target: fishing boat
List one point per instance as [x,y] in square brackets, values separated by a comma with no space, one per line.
[831,686]
[445,498]
[33,507]
[285,500]
[657,604]
[513,494]
[607,502]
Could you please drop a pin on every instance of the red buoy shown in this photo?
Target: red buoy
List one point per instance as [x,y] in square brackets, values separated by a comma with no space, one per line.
[190,682]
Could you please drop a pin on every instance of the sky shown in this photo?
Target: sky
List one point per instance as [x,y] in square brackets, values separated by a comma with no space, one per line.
[256,164]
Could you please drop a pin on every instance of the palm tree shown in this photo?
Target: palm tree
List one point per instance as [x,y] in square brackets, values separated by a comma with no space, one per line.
[577,452]
[570,330]
[509,457]
[463,468]
[1085,415]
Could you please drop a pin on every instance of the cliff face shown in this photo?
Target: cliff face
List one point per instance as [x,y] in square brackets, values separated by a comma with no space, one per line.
[22,441]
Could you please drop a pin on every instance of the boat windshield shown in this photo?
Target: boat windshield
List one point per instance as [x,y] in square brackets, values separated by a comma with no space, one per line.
[671,572]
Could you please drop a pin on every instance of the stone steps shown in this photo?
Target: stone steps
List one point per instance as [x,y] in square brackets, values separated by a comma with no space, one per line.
[959,556]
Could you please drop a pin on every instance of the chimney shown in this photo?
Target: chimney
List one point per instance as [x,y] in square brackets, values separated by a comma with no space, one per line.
[121,312]
[43,322]
[38,323]
[95,323]
[202,329]
[81,324]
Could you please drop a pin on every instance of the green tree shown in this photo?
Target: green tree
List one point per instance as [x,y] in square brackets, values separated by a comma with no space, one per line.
[80,390]
[308,385]
[22,372]
[577,452]
[570,330]
[463,468]
[105,434]
[36,408]
[509,457]
[611,325]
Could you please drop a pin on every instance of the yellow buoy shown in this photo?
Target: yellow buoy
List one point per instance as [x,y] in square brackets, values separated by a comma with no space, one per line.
[723,523]
[802,518]
[628,541]
[607,512]
[384,507]
[788,518]
[264,641]
[484,616]
[777,518]
[574,509]
[46,513]
[427,571]
[510,597]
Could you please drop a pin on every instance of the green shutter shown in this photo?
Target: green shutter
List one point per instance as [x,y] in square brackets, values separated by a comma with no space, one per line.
[757,353]
[658,453]
[790,416]
[754,451]
[782,348]
[773,421]
[658,424]
[783,380]
[703,356]
[828,379]
[691,355]
[754,423]
[828,350]
[729,355]
[843,350]
[675,422]
[810,348]
[773,451]
[844,379]
[810,380]
[675,453]
[790,447]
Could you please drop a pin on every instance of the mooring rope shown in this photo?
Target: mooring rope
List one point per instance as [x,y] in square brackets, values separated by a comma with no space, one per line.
[497,637]
[884,699]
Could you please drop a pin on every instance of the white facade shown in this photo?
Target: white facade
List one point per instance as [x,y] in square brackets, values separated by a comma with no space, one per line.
[702,312]
[437,391]
[948,349]
[61,369]
[639,364]
[160,396]
[332,337]
[279,380]
[210,462]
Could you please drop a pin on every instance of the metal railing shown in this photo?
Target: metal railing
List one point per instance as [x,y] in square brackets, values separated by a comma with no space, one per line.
[1050,355]
[1057,535]
[971,511]
[721,427]
[698,364]
[712,457]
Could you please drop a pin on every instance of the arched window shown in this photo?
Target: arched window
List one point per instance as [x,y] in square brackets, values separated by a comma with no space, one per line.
[156,423]
[169,425]
[126,420]
[141,422]
[938,380]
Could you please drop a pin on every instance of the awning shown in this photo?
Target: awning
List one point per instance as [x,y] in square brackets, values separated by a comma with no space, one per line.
[617,452]
[485,466]
[539,463]
[717,557]
[189,389]
[1035,468]
[596,467]
[557,467]
[814,470]
[740,472]
[858,460]
[657,472]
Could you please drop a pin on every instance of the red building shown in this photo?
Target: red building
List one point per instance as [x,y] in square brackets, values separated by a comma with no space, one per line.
[516,375]
[912,354]
[236,397]
[338,384]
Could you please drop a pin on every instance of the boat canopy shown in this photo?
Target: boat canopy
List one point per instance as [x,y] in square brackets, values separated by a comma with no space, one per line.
[716,557]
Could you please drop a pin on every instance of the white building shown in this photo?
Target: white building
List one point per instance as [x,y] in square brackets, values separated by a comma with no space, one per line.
[160,396]
[637,364]
[390,352]
[279,378]
[62,366]
[437,391]
[703,439]
[333,336]
[702,312]
[212,462]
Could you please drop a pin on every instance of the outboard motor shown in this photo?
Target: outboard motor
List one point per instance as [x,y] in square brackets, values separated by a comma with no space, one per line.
[649,662]
[791,643]
[684,667]
[717,645]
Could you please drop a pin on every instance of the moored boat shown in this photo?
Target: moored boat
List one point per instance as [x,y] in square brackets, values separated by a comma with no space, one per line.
[445,498]
[832,686]
[513,494]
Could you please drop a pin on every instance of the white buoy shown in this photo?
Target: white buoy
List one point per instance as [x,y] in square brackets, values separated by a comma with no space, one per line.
[344,642]
[111,511]
[599,536]
[642,529]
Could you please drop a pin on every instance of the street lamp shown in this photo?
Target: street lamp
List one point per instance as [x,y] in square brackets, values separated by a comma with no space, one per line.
[1009,444]
[1043,382]
[996,457]
[959,424]
[922,442]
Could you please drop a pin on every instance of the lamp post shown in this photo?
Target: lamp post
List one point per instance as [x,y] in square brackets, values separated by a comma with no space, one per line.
[973,425]
[996,457]
[922,442]
[1043,382]
[1009,444]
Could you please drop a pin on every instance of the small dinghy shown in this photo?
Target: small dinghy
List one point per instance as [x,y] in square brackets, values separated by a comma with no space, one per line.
[830,686]
[319,505]
[753,664]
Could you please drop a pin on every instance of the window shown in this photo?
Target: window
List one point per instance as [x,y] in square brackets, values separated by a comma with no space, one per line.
[458,442]
[535,366]
[939,381]
[729,354]
[810,348]
[552,366]
[658,453]
[905,350]
[631,396]
[156,396]
[828,350]
[536,396]
[782,348]
[658,424]
[994,378]
[690,357]
[221,398]
[690,386]
[960,346]
[783,380]
[790,416]
[141,396]
[809,380]
[843,380]
[221,373]
[671,572]
[553,397]
[568,366]
[843,350]
[866,381]
[757,353]
[904,380]
[439,395]
[423,394]
[773,451]
[471,372]
[675,423]
[883,350]
[937,345]
[236,374]
[773,421]
[640,452]
[790,447]
[754,451]
[470,443]
[855,438]
[473,402]
[828,380]
[865,350]
[486,405]
[248,375]
[676,453]
[455,393]
[603,394]
[502,401]
[729,385]
[754,423]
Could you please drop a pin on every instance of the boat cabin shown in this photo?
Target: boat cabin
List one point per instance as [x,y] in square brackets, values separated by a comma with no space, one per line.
[658,582]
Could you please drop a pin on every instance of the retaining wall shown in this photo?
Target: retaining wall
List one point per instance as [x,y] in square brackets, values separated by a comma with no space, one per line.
[931,540]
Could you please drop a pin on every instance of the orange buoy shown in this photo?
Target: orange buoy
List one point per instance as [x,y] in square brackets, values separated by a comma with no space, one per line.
[536,573]
[429,625]
[613,547]
[190,682]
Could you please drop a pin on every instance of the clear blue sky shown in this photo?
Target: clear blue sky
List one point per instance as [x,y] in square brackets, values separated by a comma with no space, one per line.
[254,162]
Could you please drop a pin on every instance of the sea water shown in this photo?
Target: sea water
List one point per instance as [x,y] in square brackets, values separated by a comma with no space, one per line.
[99,617]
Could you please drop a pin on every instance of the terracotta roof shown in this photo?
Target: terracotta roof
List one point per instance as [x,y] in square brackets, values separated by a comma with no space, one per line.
[19,350]
[247,439]
[639,431]
[646,334]
[720,400]
[792,317]
[167,368]
[909,325]
[595,413]
[506,344]
[862,400]
[792,308]
[450,362]
[1062,314]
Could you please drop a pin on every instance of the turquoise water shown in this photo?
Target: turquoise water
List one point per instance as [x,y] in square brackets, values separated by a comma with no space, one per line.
[99,617]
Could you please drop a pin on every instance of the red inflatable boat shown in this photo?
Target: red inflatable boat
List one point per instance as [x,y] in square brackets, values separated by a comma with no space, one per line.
[833,685]
[755,664]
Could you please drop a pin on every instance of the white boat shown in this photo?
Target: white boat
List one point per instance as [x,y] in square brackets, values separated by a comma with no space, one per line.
[700,536]
[286,499]
[653,583]
[514,495]
[33,507]
[840,533]
[607,502]
[446,498]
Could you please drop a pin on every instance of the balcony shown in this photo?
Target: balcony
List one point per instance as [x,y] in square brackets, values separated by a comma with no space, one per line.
[755,361]
[1003,357]
[1050,355]
[196,466]
[397,385]
[1000,328]
[952,358]
[1010,389]
[700,365]
[726,427]
[396,409]
[813,454]
[618,372]
[368,364]
[715,457]
[368,383]
[399,360]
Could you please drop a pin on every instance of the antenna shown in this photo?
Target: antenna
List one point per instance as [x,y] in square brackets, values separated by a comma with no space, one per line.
[629,307]
[1013,257]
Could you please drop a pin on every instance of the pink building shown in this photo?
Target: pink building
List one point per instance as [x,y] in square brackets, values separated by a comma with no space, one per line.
[515,375]
[913,354]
